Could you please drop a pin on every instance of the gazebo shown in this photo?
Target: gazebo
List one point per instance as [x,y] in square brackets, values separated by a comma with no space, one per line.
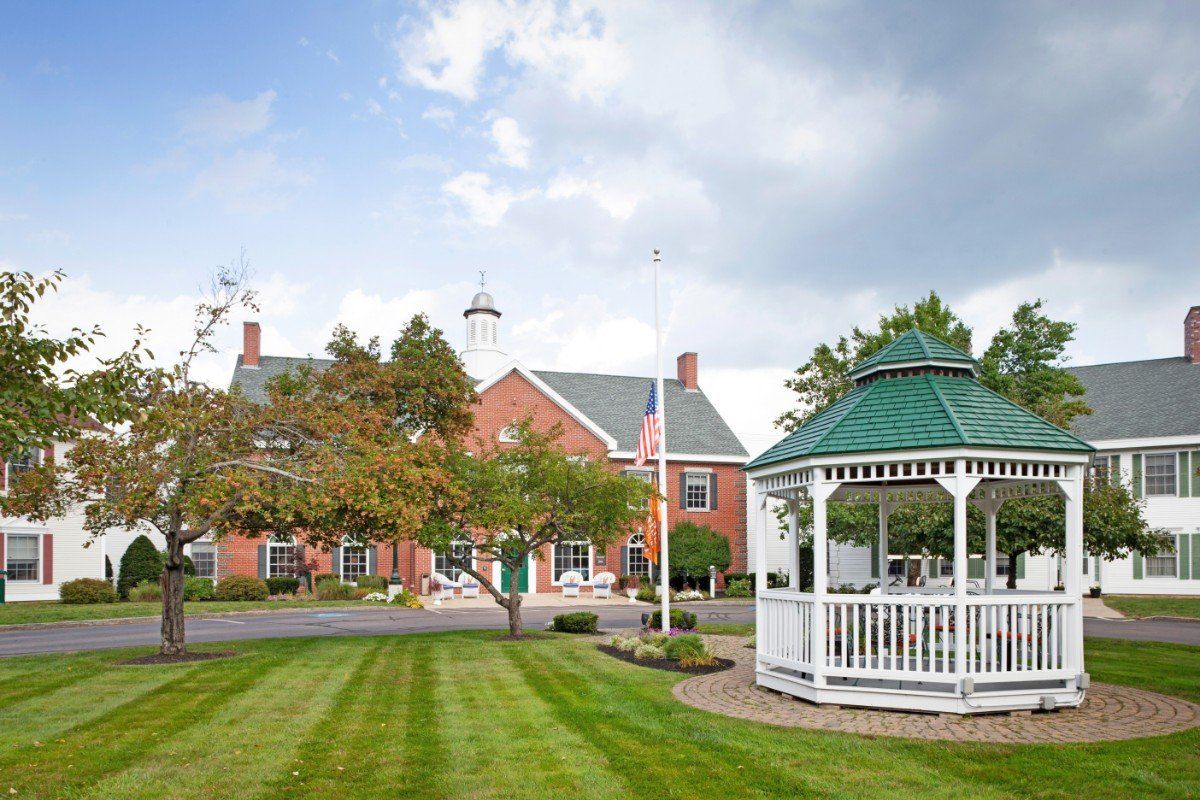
[918,427]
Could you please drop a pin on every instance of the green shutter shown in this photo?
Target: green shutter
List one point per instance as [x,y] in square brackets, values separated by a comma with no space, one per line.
[935,568]
[1195,465]
[975,568]
[1021,566]
[1185,485]
[1196,556]
[1114,469]
[1137,566]
[1185,556]
[1137,475]
[875,559]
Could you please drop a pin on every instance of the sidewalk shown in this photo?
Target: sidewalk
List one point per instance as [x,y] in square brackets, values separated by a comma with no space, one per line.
[1094,607]
[546,600]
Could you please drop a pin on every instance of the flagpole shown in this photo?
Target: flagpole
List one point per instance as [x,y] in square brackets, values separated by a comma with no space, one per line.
[662,456]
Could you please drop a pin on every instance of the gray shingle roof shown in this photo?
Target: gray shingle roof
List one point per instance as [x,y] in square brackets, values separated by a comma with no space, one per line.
[614,402]
[1134,399]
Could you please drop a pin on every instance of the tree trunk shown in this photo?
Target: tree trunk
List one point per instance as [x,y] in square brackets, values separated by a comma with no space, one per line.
[514,605]
[172,600]
[1011,583]
[914,571]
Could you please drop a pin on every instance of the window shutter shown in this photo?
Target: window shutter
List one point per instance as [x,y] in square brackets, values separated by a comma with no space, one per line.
[47,558]
[336,562]
[1185,556]
[712,491]
[1195,468]
[975,568]
[299,557]
[623,568]
[3,540]
[1196,556]
[1137,475]
[935,568]
[372,561]
[1114,469]
[683,490]
[1185,484]
[1021,566]
[262,561]
[1137,566]
[874,559]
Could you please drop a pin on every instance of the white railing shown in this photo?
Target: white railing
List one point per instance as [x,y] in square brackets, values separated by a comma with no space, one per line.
[913,637]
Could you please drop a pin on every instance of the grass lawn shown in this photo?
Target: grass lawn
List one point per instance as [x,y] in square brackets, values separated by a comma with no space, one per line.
[726,628]
[1154,606]
[471,715]
[54,611]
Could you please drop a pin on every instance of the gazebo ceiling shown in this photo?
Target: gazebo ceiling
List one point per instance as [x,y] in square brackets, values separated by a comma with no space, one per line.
[928,408]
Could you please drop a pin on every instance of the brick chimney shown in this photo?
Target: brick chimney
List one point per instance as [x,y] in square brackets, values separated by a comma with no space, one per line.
[1191,335]
[251,344]
[687,368]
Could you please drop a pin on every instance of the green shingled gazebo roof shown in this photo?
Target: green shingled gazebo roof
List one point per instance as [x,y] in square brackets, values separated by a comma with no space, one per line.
[926,410]
[914,347]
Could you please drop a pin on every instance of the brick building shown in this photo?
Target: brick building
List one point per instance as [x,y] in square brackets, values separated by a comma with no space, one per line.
[600,416]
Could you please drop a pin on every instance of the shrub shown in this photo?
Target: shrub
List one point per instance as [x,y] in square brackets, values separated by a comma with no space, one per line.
[376,583]
[283,585]
[141,562]
[646,652]
[738,587]
[407,599]
[333,589]
[86,591]
[197,589]
[189,567]
[646,594]
[376,597]
[689,595]
[317,577]
[696,547]
[683,620]
[242,587]
[625,644]
[575,622]
[146,592]
[689,650]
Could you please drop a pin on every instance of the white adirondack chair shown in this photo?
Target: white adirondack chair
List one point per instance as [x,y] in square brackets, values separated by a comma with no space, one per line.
[470,586]
[602,585]
[571,581]
[447,586]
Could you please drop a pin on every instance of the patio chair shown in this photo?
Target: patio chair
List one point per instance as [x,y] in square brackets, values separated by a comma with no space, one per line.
[470,586]
[446,586]
[571,581]
[602,585]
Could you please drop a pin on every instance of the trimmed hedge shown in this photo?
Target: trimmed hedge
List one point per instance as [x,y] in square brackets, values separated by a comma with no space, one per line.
[575,622]
[242,587]
[376,583]
[683,620]
[283,585]
[142,562]
[86,591]
[198,589]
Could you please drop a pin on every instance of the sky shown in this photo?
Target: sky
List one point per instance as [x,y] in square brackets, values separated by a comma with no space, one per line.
[804,167]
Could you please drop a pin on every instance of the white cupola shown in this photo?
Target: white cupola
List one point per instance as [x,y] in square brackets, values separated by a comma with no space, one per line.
[483,355]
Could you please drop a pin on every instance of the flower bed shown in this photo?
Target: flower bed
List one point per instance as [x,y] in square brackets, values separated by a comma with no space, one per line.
[678,652]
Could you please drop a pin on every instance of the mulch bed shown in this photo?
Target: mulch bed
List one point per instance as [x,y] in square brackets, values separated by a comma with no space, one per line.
[182,658]
[664,664]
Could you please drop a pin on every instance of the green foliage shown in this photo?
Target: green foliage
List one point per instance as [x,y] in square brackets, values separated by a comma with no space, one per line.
[376,583]
[694,548]
[739,587]
[575,622]
[146,592]
[323,576]
[689,650]
[86,591]
[282,585]
[407,599]
[242,587]
[647,594]
[189,568]
[198,589]
[142,562]
[648,652]
[683,620]
[335,590]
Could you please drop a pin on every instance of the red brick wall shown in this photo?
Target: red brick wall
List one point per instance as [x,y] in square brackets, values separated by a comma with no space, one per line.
[1191,335]
[251,343]
[687,369]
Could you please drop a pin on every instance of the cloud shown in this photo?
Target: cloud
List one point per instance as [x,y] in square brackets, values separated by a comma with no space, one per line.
[332,56]
[441,116]
[250,181]
[512,147]
[486,204]
[47,67]
[218,119]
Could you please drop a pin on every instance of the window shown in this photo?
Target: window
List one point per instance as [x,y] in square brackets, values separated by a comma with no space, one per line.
[204,558]
[897,568]
[572,557]
[355,560]
[461,549]
[1160,474]
[1001,565]
[636,562]
[1161,566]
[946,568]
[281,557]
[695,495]
[641,475]
[508,434]
[22,553]
[20,463]
[1100,467]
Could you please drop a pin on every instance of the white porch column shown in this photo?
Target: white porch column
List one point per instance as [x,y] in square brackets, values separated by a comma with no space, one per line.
[960,487]
[760,543]
[793,505]
[1073,567]
[885,511]
[991,509]
[818,636]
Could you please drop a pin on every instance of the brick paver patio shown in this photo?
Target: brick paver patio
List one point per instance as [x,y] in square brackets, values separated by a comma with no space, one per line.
[1108,713]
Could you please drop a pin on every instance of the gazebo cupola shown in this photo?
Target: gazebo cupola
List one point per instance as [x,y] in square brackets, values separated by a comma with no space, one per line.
[918,427]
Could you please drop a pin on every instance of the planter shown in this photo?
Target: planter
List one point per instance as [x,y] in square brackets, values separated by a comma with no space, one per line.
[1094,591]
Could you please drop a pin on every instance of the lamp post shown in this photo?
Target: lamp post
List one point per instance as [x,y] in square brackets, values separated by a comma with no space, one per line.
[712,582]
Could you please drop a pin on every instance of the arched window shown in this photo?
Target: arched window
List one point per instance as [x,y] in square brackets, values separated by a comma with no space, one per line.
[462,549]
[281,556]
[355,561]
[636,562]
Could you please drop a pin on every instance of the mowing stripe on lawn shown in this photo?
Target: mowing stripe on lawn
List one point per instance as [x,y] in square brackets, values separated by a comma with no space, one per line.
[96,748]
[250,739]
[17,684]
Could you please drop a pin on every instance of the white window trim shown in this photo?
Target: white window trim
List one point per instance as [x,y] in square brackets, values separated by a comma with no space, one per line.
[629,546]
[41,553]
[508,435]
[433,558]
[350,542]
[1146,474]
[591,563]
[707,473]
[271,543]
[1175,533]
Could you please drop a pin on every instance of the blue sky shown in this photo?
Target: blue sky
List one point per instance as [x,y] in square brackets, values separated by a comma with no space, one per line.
[803,167]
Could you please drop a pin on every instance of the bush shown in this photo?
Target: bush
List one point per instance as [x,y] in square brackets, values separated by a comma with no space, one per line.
[647,652]
[683,620]
[141,562]
[407,599]
[738,587]
[242,587]
[317,577]
[197,589]
[576,622]
[647,594]
[86,591]
[689,650]
[189,567]
[283,585]
[333,589]
[696,547]
[376,583]
[626,644]
[146,592]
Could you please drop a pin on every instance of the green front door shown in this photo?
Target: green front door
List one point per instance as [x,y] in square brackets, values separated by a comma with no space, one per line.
[522,579]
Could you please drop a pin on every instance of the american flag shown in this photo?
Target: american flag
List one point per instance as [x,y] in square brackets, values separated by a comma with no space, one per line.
[651,433]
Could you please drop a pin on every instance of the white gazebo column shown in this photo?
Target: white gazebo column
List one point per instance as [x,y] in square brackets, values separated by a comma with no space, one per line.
[818,633]
[885,511]
[760,543]
[1073,568]
[991,509]
[793,505]
[960,487]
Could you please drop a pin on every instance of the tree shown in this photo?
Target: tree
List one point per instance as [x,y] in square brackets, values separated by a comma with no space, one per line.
[142,561]
[512,500]
[694,548]
[40,399]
